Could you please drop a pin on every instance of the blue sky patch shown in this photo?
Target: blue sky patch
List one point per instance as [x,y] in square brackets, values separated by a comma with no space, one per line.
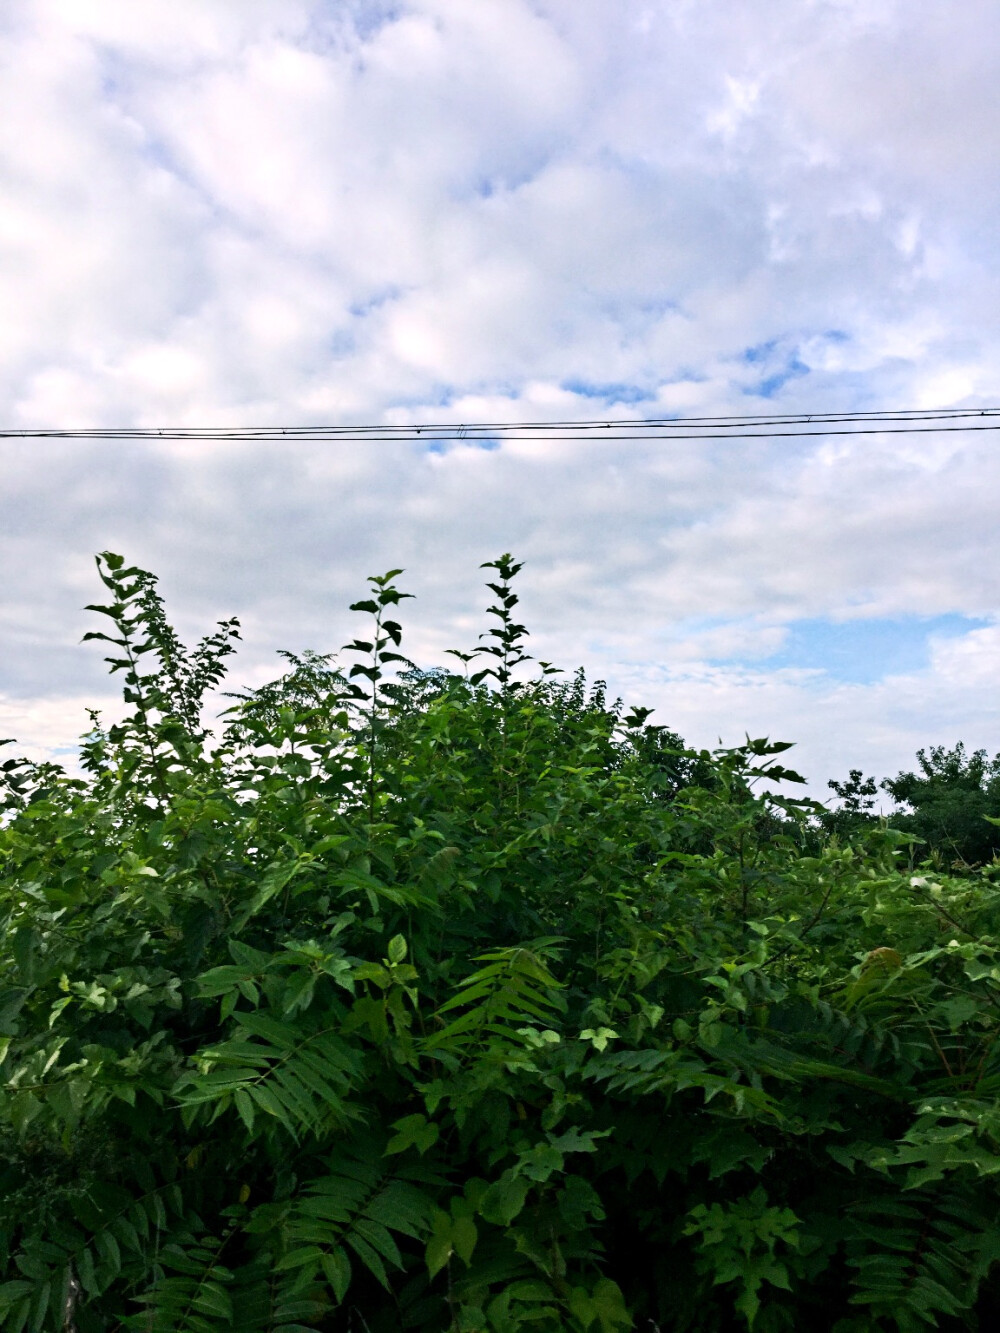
[361,309]
[753,356]
[769,386]
[864,651]
[488,443]
[610,393]
[778,363]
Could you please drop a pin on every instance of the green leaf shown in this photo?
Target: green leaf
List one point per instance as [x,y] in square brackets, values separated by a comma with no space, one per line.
[337,1269]
[504,1199]
[464,1235]
[440,1246]
[413,1131]
[598,1037]
[244,1106]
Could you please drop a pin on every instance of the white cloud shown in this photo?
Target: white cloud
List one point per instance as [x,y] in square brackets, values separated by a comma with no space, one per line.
[221,214]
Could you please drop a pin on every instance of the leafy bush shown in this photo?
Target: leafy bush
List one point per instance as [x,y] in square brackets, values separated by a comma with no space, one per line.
[469,1002]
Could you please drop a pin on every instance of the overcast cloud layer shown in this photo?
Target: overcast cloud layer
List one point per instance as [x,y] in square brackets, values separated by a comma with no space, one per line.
[242,214]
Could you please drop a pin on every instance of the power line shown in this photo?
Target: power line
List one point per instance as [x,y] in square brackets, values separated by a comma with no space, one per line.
[903,421]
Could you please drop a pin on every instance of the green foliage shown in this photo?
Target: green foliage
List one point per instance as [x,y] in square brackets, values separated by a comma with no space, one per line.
[951,801]
[425,1001]
[951,807]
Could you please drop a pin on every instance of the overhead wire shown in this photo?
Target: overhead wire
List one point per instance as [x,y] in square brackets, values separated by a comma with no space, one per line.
[800,425]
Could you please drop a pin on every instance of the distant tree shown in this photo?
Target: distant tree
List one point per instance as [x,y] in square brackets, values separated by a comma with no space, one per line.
[951,800]
[855,813]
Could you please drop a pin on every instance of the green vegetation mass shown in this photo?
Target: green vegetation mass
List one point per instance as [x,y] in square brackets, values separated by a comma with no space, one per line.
[467,1002]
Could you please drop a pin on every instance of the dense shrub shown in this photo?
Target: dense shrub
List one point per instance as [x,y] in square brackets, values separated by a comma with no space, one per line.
[469,1002]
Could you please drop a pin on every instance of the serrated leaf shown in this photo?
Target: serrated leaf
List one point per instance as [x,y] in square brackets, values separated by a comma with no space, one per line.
[337,1269]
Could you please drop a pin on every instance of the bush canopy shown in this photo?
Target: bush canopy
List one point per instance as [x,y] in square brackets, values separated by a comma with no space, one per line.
[468,1001]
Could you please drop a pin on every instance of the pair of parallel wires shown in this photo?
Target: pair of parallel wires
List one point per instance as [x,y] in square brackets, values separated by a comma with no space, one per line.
[904,421]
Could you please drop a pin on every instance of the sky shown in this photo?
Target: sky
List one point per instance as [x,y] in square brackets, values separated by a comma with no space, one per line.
[218,214]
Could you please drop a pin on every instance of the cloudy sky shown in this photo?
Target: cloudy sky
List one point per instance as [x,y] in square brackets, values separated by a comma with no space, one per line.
[349,212]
